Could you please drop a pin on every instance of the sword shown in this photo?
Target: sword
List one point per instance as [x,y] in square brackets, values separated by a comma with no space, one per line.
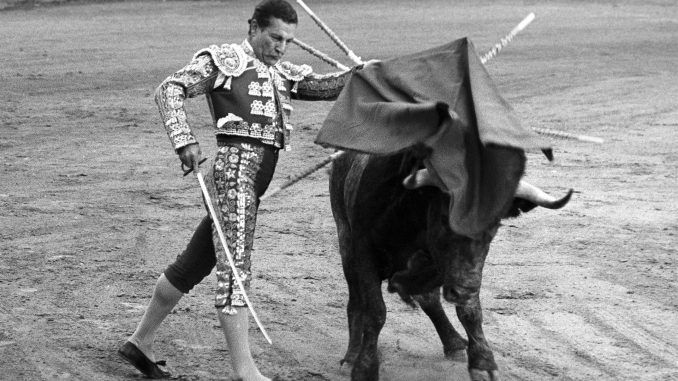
[215,220]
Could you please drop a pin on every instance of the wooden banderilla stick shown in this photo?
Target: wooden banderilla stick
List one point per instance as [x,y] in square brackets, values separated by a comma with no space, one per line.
[320,55]
[504,41]
[330,33]
[567,135]
[302,175]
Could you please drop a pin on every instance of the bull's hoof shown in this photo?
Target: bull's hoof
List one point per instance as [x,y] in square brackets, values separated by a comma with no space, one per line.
[484,375]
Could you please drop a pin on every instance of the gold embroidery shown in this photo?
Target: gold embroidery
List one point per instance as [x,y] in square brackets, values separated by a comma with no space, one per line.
[269,109]
[266,89]
[234,173]
[257,107]
[254,89]
[230,59]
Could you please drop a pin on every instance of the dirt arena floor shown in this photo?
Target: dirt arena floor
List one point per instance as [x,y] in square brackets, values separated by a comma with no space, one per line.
[93,205]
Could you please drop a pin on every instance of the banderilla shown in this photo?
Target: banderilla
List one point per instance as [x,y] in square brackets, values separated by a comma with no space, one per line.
[331,34]
[320,55]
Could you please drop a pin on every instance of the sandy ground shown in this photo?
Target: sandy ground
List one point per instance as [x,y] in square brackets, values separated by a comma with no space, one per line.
[93,207]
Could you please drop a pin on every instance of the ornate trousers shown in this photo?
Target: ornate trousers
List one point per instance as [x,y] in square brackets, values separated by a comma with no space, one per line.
[241,173]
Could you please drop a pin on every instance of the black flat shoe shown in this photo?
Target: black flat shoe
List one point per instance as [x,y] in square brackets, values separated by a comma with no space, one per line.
[136,357]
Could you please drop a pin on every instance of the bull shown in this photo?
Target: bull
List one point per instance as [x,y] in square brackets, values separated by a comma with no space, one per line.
[392,222]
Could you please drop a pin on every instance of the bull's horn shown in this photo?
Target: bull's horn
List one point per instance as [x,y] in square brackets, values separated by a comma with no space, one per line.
[423,178]
[418,179]
[531,193]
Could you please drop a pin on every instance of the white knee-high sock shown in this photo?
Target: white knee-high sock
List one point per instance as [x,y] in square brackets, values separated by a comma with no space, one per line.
[165,297]
[235,329]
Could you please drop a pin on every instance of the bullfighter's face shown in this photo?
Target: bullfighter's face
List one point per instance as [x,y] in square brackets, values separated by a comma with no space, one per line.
[270,43]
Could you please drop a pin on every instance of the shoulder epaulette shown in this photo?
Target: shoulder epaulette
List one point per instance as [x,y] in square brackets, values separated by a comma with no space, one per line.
[293,72]
[230,59]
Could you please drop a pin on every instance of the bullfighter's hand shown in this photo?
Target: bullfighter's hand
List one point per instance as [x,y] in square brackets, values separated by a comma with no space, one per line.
[190,156]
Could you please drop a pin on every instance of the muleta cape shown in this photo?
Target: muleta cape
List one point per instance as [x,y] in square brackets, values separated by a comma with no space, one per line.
[444,99]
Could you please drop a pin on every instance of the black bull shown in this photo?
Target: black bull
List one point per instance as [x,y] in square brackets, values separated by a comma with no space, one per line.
[387,231]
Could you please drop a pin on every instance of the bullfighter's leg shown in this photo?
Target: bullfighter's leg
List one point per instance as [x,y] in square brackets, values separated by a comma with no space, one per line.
[481,364]
[235,328]
[165,297]
[452,341]
[189,268]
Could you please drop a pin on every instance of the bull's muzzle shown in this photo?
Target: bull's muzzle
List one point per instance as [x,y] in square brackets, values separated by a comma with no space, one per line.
[459,296]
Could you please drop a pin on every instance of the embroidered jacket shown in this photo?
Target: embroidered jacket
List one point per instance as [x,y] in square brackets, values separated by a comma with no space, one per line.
[246,97]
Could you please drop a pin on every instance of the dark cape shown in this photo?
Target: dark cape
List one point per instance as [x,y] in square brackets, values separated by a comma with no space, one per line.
[444,99]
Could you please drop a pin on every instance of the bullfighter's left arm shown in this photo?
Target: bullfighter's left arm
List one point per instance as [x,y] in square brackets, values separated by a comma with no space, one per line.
[322,86]
[310,86]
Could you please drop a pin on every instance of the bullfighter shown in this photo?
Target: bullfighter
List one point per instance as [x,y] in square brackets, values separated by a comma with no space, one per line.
[248,90]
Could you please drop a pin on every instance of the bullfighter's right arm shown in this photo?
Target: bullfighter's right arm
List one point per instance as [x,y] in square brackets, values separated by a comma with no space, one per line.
[196,78]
